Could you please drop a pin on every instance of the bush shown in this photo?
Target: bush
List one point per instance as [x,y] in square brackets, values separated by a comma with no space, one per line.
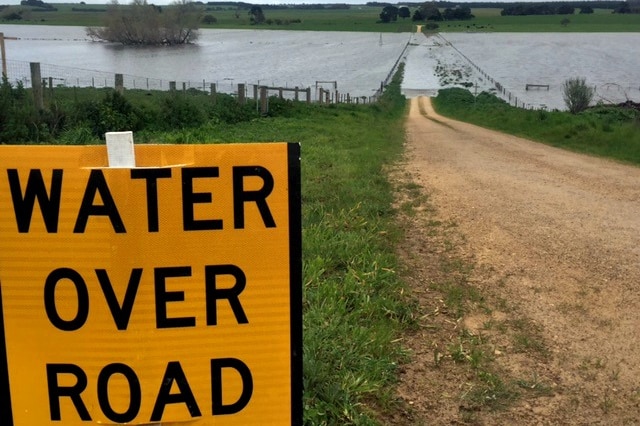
[209,19]
[113,114]
[182,111]
[577,95]
[227,110]
[17,118]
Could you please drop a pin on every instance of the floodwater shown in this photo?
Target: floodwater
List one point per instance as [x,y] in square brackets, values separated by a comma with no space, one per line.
[356,62]
[607,61]
[352,62]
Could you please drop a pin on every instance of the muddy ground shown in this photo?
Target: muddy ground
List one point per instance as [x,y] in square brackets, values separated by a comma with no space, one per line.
[525,261]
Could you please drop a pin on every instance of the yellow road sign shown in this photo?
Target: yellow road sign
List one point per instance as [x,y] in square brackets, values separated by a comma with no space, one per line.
[165,293]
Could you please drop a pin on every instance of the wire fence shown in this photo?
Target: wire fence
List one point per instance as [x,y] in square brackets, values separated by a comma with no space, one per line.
[62,76]
[608,93]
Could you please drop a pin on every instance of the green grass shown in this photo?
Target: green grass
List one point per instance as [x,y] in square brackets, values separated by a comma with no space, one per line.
[354,305]
[601,21]
[603,131]
[356,18]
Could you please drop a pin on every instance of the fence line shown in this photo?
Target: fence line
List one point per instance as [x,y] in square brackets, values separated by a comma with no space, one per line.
[401,58]
[601,93]
[61,76]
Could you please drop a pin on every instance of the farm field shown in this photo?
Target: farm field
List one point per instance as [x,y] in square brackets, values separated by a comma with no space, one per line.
[356,18]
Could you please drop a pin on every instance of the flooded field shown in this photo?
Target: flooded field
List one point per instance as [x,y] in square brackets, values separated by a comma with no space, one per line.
[357,62]
[607,61]
[352,62]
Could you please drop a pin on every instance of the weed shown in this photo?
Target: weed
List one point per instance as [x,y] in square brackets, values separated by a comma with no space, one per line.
[608,402]
[527,337]
[535,386]
[490,391]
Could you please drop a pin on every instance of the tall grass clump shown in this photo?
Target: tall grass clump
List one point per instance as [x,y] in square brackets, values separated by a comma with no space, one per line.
[577,94]
[603,130]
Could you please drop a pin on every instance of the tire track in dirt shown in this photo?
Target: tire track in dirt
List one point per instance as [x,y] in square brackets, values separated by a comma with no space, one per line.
[557,235]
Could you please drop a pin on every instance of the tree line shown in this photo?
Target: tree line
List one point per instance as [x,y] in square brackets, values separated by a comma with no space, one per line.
[595,4]
[426,12]
[431,11]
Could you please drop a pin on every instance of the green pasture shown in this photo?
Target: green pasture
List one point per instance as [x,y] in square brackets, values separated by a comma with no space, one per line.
[601,20]
[356,18]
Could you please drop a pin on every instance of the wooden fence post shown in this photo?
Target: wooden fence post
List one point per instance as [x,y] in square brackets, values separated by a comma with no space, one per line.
[36,85]
[184,87]
[297,95]
[241,94]
[119,83]
[264,101]
[255,93]
[213,93]
[172,86]
[308,95]
[3,53]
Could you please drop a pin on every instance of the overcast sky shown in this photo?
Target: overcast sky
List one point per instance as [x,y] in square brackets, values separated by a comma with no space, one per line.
[354,2]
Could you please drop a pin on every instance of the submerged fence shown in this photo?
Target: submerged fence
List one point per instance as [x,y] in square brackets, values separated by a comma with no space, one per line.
[59,76]
[608,93]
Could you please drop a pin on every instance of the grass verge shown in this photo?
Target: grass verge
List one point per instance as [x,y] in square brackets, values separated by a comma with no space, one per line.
[605,131]
[355,306]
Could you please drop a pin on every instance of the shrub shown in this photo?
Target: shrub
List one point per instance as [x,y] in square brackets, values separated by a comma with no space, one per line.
[209,19]
[577,95]
[228,110]
[431,26]
[16,113]
[113,114]
[181,111]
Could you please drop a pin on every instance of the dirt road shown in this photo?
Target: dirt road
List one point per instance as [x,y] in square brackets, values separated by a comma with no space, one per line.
[553,238]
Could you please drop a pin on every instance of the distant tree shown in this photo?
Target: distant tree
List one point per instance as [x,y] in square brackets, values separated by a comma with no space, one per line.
[256,15]
[209,19]
[143,23]
[430,12]
[417,16]
[629,6]
[12,16]
[457,14]
[565,22]
[36,3]
[577,95]
[529,9]
[404,12]
[389,13]
[586,9]
[565,9]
